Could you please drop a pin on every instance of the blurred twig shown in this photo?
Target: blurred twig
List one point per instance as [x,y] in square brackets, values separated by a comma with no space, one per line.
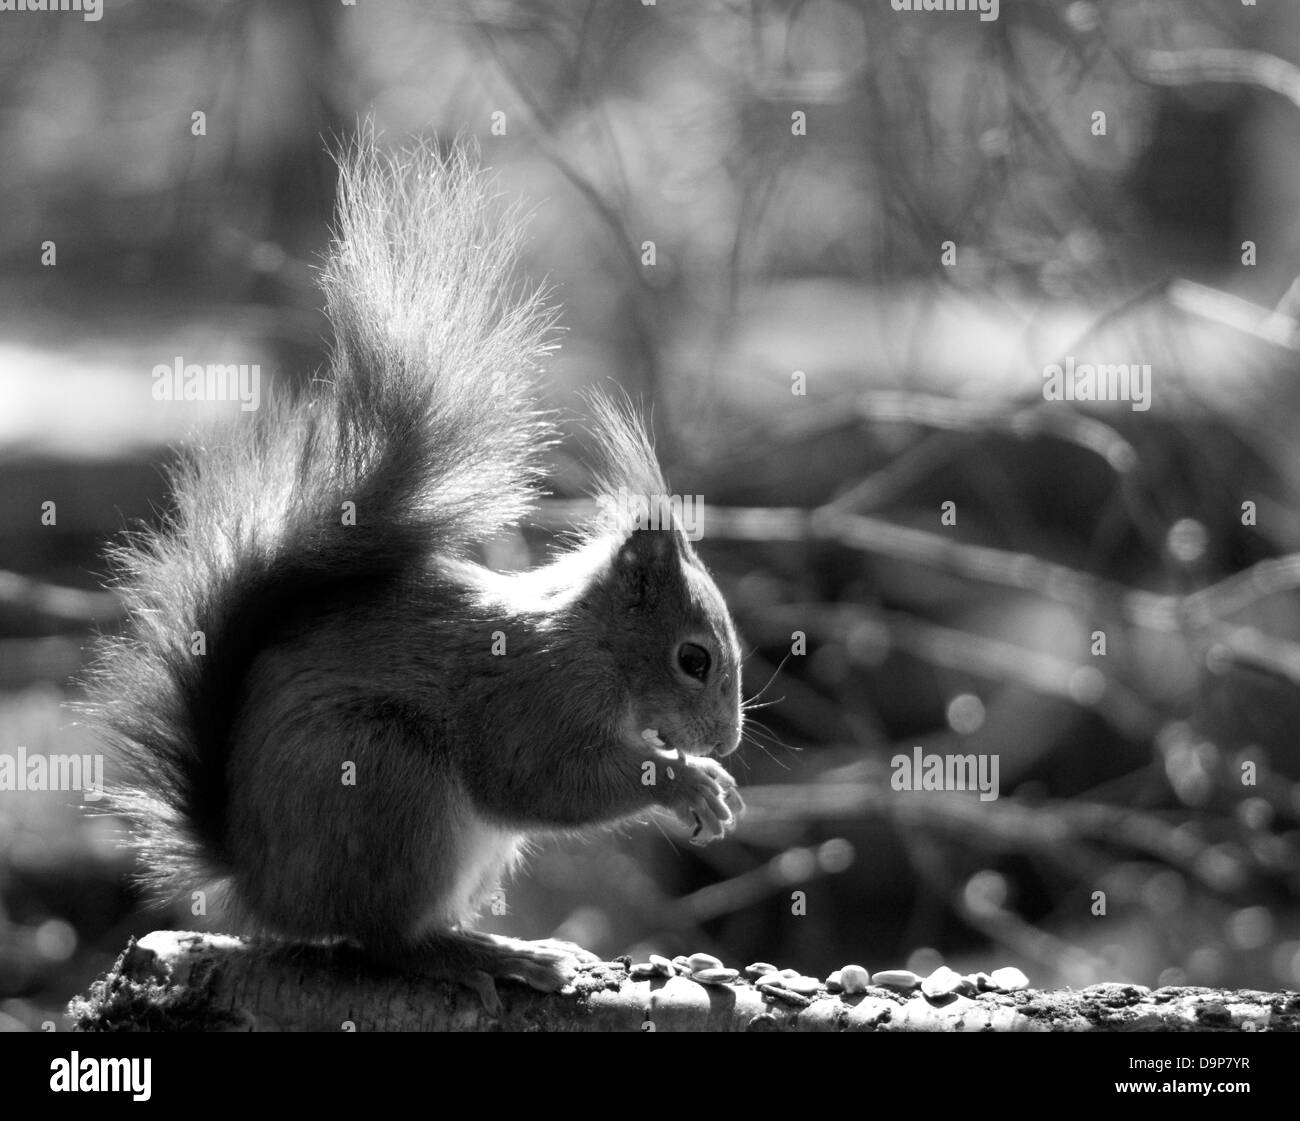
[1271,326]
[986,657]
[902,472]
[1202,610]
[1219,64]
[794,866]
[1024,422]
[23,593]
[1002,826]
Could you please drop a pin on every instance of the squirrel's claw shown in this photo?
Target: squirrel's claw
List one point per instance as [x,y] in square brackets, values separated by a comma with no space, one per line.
[558,945]
[705,800]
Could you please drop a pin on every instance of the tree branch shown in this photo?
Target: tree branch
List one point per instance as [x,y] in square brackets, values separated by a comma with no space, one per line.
[183,981]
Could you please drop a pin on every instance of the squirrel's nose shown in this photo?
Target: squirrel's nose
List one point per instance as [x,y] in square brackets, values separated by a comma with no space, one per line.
[723,748]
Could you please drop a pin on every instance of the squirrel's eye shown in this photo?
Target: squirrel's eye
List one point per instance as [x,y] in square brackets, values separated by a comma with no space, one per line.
[693,660]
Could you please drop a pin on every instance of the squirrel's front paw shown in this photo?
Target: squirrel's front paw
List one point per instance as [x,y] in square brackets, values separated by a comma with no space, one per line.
[704,797]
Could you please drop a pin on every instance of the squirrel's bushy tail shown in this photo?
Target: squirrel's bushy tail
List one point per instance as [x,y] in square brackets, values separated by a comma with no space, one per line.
[427,425]
[435,344]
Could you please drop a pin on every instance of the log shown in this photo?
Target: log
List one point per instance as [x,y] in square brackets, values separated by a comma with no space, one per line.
[185,981]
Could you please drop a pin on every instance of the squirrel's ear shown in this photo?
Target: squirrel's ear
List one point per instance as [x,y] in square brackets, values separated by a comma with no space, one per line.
[645,558]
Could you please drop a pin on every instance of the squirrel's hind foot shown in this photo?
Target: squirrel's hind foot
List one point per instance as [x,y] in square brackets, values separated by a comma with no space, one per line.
[479,960]
[547,965]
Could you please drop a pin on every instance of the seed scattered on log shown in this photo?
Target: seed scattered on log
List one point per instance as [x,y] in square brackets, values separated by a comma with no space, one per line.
[780,993]
[718,976]
[903,979]
[807,986]
[855,979]
[942,982]
[1009,979]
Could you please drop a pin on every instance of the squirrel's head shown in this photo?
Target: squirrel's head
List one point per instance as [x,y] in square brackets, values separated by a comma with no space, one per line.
[651,606]
[666,627]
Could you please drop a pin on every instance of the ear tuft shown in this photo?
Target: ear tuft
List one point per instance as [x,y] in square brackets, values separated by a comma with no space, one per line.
[628,463]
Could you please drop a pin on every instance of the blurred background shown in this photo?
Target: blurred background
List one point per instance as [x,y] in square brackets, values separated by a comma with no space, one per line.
[1113,612]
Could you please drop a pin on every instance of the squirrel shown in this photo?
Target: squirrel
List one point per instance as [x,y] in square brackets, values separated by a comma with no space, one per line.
[313,711]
